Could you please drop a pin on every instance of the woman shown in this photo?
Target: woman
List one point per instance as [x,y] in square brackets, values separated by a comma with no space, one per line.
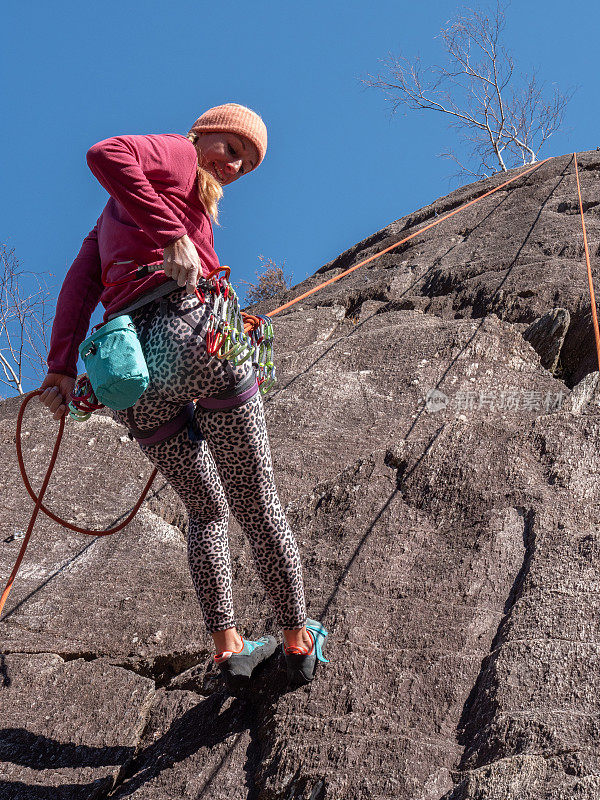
[164,191]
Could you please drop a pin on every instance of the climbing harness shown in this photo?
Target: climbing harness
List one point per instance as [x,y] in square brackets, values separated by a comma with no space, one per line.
[117,374]
[232,334]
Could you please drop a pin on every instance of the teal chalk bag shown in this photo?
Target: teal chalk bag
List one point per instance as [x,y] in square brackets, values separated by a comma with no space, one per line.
[115,363]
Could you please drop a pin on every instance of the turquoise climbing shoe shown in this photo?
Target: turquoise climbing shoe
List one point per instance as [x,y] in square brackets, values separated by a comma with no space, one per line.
[237,667]
[300,664]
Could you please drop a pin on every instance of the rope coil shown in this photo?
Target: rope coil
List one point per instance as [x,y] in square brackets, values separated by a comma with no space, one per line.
[37,499]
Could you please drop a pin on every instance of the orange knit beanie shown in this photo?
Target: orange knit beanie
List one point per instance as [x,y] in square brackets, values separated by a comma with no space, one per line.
[235,119]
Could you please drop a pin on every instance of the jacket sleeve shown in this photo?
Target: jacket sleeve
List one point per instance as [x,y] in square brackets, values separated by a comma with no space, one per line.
[79,296]
[134,169]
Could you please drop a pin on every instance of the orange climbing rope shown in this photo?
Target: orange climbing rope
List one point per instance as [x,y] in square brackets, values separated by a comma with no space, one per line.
[39,506]
[407,238]
[587,261]
[249,320]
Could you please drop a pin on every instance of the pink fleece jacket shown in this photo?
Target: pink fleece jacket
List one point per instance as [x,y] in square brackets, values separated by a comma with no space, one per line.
[154,200]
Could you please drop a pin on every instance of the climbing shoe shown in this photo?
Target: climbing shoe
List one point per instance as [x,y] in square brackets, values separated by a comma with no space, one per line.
[301,663]
[237,667]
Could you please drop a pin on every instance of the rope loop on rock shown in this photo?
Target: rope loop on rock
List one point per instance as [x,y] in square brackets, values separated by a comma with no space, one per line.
[37,499]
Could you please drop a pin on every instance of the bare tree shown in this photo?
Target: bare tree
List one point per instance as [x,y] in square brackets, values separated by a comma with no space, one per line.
[504,118]
[271,281]
[23,322]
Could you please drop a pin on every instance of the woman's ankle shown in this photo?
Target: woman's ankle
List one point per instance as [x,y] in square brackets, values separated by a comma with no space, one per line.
[227,640]
[298,637]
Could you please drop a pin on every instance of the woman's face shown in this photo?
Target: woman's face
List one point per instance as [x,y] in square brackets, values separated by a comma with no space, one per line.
[226,155]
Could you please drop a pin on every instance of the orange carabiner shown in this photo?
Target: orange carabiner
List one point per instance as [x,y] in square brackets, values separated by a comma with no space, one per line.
[216,271]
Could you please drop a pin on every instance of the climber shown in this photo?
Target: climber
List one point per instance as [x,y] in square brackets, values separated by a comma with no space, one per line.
[164,190]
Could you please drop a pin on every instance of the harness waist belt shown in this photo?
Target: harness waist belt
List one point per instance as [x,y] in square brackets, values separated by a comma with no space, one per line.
[230,401]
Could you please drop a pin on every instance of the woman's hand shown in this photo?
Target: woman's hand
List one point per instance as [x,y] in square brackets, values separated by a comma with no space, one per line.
[182,263]
[57,392]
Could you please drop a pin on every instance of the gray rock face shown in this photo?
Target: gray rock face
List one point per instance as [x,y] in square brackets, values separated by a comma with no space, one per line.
[435,440]
[547,336]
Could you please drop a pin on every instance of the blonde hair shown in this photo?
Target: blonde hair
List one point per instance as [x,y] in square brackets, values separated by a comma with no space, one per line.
[210,190]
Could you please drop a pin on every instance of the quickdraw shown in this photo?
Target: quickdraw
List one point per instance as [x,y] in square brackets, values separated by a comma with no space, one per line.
[236,336]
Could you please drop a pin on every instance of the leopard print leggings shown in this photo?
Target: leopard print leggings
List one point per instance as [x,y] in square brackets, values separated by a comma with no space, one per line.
[221,462]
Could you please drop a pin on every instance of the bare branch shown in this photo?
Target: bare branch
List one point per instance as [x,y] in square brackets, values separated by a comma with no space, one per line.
[501,115]
[24,322]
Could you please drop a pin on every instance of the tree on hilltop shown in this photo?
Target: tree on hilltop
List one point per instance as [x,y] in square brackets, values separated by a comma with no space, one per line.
[271,281]
[503,118]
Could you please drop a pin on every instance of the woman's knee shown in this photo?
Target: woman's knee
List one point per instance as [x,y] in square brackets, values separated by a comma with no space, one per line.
[207,510]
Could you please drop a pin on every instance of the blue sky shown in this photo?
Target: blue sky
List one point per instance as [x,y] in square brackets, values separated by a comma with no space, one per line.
[338,166]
